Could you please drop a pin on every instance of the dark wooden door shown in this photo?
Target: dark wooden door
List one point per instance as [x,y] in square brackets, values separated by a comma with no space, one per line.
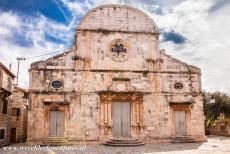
[13,135]
[121,119]
[57,123]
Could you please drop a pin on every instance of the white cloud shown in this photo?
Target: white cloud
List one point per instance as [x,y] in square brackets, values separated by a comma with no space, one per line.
[208,40]
[7,23]
[32,29]
[77,7]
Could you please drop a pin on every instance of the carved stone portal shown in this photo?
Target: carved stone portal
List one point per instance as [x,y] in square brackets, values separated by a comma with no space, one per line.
[136,110]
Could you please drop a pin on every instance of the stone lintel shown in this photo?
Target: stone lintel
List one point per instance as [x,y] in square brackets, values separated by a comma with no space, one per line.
[182,103]
[121,92]
[57,102]
[121,79]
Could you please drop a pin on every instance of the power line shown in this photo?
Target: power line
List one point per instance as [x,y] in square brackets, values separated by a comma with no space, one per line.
[48,53]
[19,59]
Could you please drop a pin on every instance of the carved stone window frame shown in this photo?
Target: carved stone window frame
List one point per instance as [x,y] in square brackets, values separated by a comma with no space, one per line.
[178,82]
[50,84]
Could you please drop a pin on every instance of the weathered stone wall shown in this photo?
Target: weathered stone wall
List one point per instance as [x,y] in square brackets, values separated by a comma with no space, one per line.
[88,69]
[222,127]
[6,120]
[20,122]
[84,100]
[82,117]
[117,18]
[97,46]
[5,123]
[6,80]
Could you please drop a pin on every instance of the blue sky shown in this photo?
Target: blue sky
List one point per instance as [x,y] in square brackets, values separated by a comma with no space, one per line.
[194,31]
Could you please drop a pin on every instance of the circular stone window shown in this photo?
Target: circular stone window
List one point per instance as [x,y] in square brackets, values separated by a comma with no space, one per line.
[178,85]
[118,49]
[56,84]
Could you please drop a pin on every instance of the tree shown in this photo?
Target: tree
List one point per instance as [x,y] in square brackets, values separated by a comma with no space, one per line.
[216,105]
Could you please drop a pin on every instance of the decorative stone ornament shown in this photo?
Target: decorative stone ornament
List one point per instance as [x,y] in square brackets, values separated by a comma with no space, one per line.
[119,50]
[121,87]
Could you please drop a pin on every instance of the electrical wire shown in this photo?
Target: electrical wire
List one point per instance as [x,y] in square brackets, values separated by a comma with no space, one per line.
[47,53]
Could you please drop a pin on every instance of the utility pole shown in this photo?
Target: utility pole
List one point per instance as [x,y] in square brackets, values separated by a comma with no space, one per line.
[19,59]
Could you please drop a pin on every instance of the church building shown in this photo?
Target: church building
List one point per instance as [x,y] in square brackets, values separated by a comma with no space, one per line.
[114,84]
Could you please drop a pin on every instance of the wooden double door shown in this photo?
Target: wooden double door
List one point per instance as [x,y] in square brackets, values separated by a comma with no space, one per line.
[180,123]
[121,115]
[56,124]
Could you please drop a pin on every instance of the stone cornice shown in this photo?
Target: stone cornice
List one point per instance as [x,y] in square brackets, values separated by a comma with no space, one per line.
[119,31]
[133,71]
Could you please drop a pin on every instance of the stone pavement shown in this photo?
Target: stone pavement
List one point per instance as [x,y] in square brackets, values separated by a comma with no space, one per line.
[215,145]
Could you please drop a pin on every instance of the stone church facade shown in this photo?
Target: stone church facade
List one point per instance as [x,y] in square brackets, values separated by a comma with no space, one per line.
[115,82]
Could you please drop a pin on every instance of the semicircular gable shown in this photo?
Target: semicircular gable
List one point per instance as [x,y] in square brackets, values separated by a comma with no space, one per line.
[117,18]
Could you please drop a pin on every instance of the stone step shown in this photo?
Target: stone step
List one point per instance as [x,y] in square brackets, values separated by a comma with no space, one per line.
[185,136]
[55,141]
[124,145]
[183,139]
[124,142]
[55,138]
[4,143]
[124,139]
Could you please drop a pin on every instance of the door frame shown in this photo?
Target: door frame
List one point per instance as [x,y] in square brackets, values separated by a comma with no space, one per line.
[137,112]
[55,107]
[181,107]
[15,137]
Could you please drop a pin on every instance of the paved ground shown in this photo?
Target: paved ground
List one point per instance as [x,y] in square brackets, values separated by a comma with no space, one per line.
[215,145]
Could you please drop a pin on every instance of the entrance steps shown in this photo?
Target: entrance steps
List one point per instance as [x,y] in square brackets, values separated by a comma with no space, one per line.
[183,139]
[124,142]
[3,143]
[55,141]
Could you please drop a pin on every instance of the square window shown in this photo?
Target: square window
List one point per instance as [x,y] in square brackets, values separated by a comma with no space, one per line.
[4,106]
[16,112]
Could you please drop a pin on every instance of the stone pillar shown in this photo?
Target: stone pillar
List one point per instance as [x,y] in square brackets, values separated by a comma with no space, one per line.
[109,114]
[137,114]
